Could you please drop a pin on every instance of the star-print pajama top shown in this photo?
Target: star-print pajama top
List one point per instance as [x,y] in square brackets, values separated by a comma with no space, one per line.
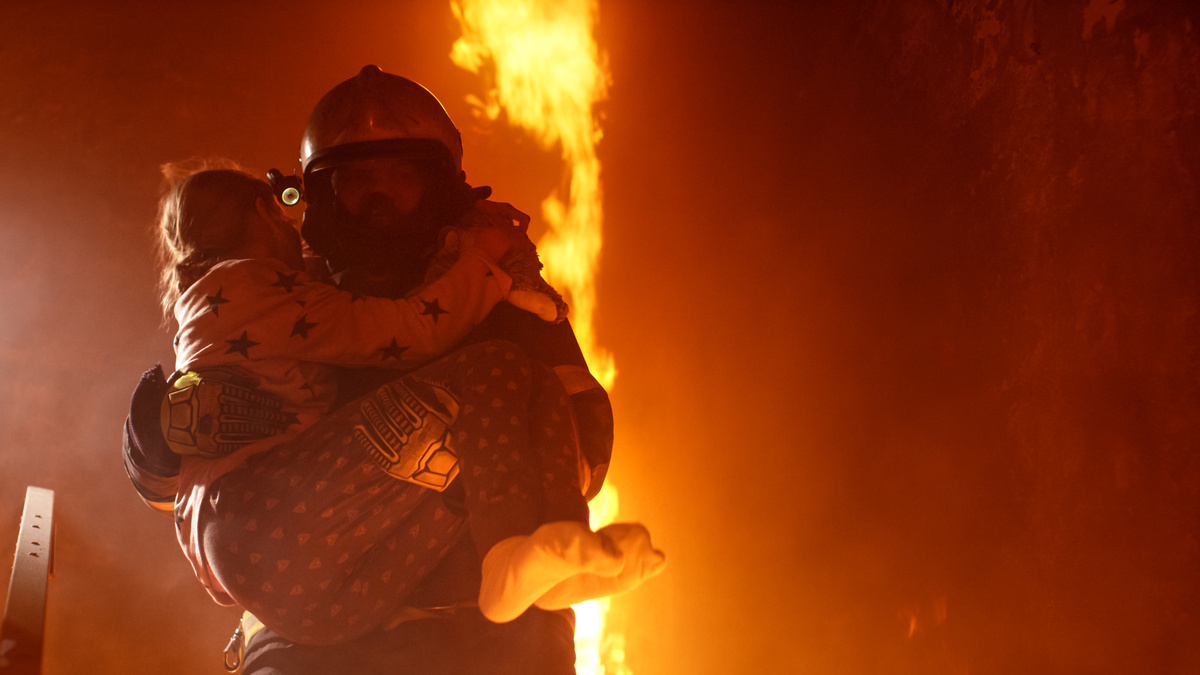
[289,330]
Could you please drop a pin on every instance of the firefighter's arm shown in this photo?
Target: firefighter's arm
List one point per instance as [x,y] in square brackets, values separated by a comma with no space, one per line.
[149,463]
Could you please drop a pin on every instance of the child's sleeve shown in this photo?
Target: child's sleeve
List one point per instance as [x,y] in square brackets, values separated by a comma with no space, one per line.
[334,326]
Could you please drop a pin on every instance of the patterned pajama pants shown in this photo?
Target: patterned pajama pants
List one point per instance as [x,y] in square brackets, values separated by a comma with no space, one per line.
[323,545]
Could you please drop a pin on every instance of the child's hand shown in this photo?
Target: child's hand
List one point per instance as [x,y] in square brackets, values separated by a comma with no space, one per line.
[502,212]
[501,229]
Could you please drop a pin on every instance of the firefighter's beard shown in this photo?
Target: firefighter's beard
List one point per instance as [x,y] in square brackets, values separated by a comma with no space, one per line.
[384,251]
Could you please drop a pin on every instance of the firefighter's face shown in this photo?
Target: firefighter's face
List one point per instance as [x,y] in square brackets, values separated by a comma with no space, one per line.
[378,191]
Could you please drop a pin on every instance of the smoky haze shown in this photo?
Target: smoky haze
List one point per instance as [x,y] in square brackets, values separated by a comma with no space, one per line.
[903,297]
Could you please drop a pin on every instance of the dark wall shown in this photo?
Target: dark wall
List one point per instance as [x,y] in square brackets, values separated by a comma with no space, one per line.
[903,296]
[932,274]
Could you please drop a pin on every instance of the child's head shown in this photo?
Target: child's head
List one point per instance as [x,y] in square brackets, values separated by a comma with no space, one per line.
[215,214]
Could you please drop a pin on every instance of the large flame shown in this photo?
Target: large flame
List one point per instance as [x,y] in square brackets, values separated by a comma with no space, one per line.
[549,75]
[548,78]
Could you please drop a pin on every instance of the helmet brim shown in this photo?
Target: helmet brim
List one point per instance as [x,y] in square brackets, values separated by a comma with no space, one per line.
[433,157]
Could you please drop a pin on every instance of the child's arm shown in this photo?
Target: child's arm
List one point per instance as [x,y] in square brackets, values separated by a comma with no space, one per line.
[259,309]
[405,332]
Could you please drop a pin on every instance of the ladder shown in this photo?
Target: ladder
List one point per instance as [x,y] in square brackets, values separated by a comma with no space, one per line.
[25,610]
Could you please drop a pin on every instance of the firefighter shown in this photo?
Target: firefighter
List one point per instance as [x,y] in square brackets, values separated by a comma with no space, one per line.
[381,173]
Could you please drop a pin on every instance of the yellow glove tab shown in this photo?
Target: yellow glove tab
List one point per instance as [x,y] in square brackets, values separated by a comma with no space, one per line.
[217,411]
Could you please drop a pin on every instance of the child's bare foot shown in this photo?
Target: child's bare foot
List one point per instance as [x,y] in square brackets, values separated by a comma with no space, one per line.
[642,561]
[519,570]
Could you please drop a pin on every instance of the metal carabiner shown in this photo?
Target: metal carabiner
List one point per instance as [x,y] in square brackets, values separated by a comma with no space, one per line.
[235,650]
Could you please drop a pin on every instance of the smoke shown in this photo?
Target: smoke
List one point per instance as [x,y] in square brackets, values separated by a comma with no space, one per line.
[903,296]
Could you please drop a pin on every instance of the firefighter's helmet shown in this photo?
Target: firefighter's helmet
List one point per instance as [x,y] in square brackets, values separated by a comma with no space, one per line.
[377,114]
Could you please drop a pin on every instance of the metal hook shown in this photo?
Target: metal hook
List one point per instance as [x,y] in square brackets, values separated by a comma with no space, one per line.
[235,650]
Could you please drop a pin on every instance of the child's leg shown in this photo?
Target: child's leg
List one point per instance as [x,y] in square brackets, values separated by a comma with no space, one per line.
[492,381]
[555,550]
[517,444]
[322,544]
[555,440]
[517,449]
[539,561]
[317,541]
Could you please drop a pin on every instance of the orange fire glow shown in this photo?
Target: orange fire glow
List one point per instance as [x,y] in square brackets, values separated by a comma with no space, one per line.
[548,77]
[549,74]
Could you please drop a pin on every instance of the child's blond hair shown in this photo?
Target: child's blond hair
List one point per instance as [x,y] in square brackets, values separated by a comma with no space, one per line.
[201,221]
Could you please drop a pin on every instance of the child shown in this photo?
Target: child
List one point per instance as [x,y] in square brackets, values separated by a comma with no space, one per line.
[315,537]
